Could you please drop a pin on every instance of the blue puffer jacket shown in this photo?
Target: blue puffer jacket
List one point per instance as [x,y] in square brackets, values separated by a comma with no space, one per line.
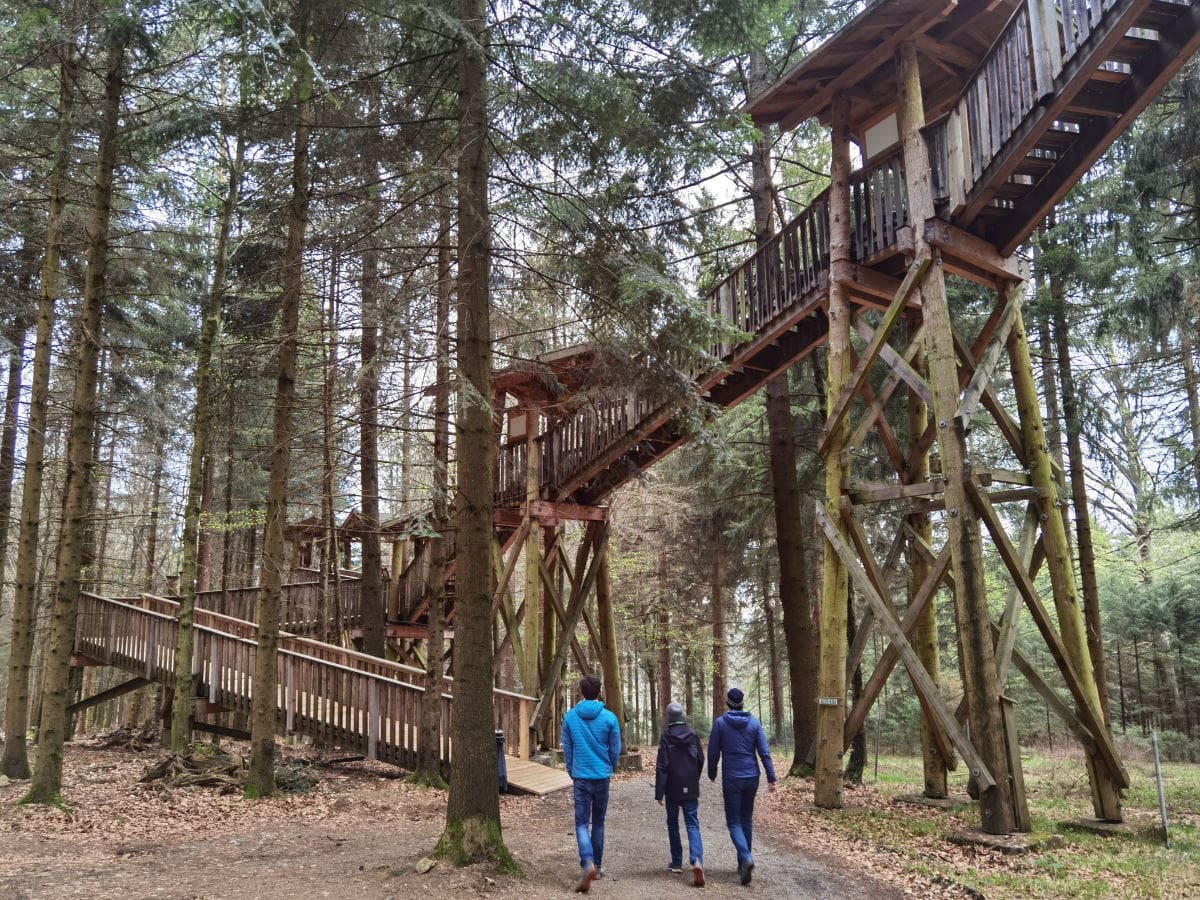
[591,740]
[736,737]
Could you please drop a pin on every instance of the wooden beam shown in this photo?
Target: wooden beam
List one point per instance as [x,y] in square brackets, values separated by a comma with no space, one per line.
[985,369]
[873,492]
[846,397]
[599,543]
[561,614]
[863,633]
[875,410]
[1106,752]
[880,582]
[505,572]
[921,680]
[969,256]
[900,364]
[111,694]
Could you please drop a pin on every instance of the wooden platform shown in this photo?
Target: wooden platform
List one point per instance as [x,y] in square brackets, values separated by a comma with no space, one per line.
[528,777]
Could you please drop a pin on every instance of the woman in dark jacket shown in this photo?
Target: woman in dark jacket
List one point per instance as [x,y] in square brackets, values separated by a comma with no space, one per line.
[677,781]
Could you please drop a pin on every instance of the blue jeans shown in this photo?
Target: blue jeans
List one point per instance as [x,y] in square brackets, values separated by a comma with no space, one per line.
[691,818]
[591,805]
[739,814]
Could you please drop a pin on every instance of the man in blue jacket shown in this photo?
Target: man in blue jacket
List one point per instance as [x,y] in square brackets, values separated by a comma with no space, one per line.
[591,742]
[736,737]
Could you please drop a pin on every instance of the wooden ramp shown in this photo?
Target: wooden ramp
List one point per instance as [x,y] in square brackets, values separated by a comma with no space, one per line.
[337,697]
[528,777]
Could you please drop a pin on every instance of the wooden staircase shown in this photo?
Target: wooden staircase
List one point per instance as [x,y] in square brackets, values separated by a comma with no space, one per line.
[337,697]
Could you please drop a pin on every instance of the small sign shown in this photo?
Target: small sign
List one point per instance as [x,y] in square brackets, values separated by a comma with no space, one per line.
[827,701]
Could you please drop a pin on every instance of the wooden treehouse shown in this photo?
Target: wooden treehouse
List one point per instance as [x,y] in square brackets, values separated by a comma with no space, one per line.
[971,119]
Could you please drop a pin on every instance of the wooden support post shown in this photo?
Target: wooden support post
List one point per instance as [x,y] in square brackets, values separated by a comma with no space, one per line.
[598,534]
[531,682]
[394,573]
[1058,649]
[976,650]
[1106,798]
[1008,710]
[924,687]
[607,627]
[831,680]
[925,633]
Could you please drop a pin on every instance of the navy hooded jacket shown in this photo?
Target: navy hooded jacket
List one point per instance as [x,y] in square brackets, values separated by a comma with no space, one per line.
[591,740]
[736,737]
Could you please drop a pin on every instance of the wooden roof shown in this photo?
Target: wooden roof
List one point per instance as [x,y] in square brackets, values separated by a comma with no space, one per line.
[551,376]
[952,37]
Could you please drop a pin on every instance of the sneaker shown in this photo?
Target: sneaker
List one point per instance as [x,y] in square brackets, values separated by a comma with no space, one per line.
[585,880]
[677,870]
[599,873]
[746,871]
[697,875]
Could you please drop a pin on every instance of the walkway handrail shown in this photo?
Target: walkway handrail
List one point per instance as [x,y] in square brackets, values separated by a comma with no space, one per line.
[336,695]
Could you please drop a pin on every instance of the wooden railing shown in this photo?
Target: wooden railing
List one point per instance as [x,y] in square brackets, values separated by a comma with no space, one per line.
[1018,72]
[301,605]
[878,206]
[571,444]
[338,697]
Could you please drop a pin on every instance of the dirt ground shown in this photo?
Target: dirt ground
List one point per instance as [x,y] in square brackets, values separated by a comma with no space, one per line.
[360,834]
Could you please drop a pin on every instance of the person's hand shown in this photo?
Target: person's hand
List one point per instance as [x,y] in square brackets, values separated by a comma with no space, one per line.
[660,803]
[771,787]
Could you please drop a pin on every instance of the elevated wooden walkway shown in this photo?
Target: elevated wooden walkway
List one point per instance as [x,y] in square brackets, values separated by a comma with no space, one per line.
[337,697]
[1024,128]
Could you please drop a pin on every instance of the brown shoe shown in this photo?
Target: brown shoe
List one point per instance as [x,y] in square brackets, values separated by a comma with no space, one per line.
[698,875]
[585,881]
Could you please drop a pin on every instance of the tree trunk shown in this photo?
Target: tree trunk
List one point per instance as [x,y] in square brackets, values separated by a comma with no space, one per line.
[429,761]
[15,763]
[149,581]
[201,462]
[473,808]
[8,442]
[1191,383]
[858,746]
[774,670]
[260,778]
[610,667]
[717,604]
[1073,427]
[371,602]
[331,594]
[52,733]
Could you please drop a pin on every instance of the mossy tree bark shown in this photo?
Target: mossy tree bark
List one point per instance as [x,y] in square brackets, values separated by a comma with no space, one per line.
[200,459]
[15,762]
[260,779]
[46,786]
[429,761]
[473,810]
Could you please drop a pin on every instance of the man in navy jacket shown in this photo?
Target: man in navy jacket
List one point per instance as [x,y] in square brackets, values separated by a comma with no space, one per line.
[591,742]
[737,738]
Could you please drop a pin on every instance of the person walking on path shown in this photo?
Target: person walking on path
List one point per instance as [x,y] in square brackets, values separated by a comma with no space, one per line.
[677,782]
[591,742]
[735,739]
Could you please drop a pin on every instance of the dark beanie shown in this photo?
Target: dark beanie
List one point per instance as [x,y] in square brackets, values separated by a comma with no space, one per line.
[734,698]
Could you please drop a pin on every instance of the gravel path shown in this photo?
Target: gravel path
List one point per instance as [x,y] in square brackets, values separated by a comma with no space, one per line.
[636,854]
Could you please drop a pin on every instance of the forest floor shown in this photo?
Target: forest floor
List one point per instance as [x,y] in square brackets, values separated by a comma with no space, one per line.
[360,833]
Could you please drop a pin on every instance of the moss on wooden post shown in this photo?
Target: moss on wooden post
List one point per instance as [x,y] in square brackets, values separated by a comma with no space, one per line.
[831,682]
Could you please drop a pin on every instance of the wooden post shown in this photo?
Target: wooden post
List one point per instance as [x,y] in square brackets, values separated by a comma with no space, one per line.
[530,676]
[925,633]
[976,650]
[607,625]
[1106,799]
[831,681]
[1047,53]
[396,570]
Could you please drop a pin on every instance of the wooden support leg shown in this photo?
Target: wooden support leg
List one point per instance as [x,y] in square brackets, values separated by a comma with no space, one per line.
[925,634]
[607,626]
[1106,798]
[976,650]
[831,680]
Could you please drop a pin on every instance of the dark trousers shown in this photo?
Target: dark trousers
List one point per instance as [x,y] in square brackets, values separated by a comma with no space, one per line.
[591,805]
[739,814]
[691,819]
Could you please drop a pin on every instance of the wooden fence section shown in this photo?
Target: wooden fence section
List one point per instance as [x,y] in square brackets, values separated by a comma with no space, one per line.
[1041,39]
[301,612]
[338,697]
